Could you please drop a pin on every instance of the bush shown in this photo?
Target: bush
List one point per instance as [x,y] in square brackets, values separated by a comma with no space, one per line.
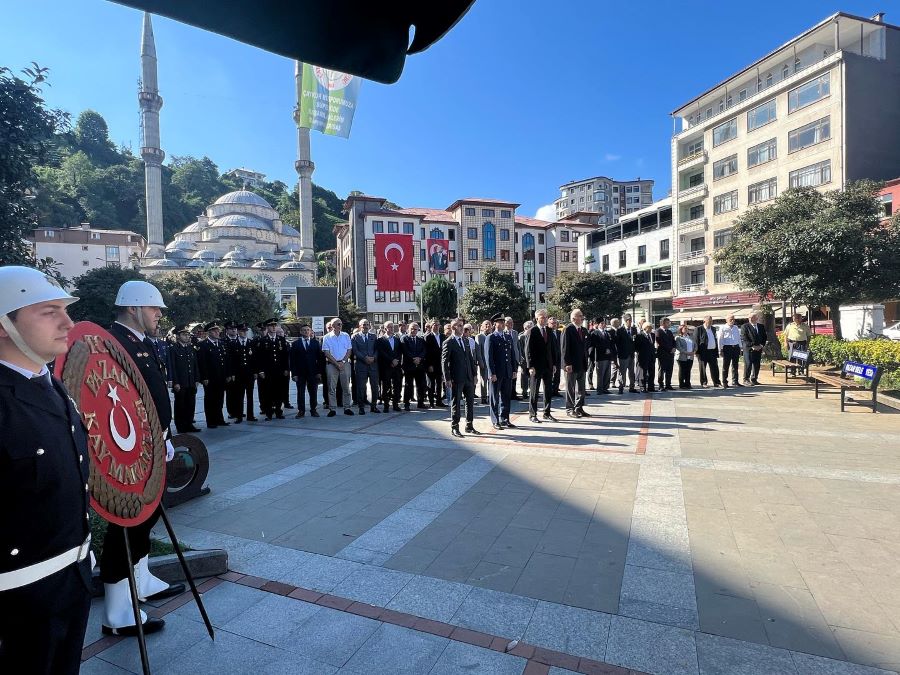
[883,353]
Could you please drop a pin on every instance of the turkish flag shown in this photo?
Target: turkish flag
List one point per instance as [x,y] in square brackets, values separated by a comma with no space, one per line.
[394,262]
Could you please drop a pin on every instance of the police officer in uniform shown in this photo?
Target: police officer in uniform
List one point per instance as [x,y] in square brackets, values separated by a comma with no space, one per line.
[45,567]
[139,307]
[500,366]
[271,367]
[215,375]
[184,374]
[241,356]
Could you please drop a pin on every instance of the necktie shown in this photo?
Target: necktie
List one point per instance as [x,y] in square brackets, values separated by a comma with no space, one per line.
[43,381]
[544,333]
[305,345]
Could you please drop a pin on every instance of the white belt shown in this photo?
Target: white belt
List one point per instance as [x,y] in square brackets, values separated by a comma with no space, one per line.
[41,570]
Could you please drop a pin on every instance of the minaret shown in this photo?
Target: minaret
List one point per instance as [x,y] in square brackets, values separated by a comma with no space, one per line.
[305,168]
[153,155]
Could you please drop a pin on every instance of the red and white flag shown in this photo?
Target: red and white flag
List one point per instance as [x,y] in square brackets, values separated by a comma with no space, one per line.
[394,262]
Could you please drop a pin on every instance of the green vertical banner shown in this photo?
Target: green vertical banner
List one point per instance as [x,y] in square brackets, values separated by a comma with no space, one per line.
[327,100]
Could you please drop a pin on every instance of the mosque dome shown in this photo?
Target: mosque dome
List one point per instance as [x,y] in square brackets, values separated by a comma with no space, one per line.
[231,263]
[292,265]
[243,197]
[198,263]
[181,245]
[261,265]
[240,220]
[236,254]
[206,254]
[164,262]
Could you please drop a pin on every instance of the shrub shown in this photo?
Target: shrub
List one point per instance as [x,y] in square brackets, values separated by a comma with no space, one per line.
[883,353]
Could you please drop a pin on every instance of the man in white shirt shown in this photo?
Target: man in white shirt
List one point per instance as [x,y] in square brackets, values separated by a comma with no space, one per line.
[730,343]
[336,348]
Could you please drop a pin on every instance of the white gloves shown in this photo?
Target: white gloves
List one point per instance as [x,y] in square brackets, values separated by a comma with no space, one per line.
[170,451]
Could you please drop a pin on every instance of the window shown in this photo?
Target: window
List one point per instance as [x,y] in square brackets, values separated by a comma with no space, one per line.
[95,235]
[809,134]
[422,254]
[761,115]
[470,212]
[394,296]
[408,228]
[698,244]
[642,255]
[452,277]
[377,317]
[810,176]
[504,255]
[85,263]
[85,248]
[112,252]
[722,238]
[664,249]
[472,233]
[887,205]
[541,238]
[451,235]
[725,203]
[541,277]
[742,94]
[762,191]
[473,254]
[725,167]
[564,235]
[540,258]
[768,80]
[785,71]
[698,277]
[623,259]
[605,263]
[725,132]
[393,227]
[490,241]
[506,213]
[422,276]
[720,277]
[435,233]
[409,296]
[378,226]
[696,211]
[487,213]
[421,233]
[809,92]
[517,257]
[564,256]
[49,234]
[517,277]
[379,296]
[452,254]
[504,234]
[762,153]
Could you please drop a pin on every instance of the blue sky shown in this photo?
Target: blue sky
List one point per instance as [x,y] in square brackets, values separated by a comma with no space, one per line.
[521,96]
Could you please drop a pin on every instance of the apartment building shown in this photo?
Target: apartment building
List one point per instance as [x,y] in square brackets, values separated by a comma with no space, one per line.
[607,197]
[639,250]
[81,249]
[478,232]
[813,112]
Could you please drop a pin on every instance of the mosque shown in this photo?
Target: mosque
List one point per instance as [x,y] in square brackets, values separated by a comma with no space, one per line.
[240,233]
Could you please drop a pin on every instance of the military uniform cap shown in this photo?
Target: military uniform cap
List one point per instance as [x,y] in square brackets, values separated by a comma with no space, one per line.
[498,317]
[180,328]
[230,324]
[271,322]
[211,325]
[242,326]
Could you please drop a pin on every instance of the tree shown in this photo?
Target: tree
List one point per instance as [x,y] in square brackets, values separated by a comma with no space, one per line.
[817,249]
[92,138]
[496,292]
[439,298]
[97,291]
[596,294]
[240,299]
[27,130]
[210,294]
[349,313]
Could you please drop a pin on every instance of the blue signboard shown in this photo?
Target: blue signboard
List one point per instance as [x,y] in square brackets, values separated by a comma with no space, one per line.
[860,370]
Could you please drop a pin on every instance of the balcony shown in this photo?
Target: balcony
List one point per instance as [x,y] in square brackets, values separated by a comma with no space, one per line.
[691,194]
[697,159]
[690,258]
[693,225]
[692,289]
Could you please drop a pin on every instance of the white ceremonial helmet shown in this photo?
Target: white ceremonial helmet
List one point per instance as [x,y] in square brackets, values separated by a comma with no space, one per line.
[139,294]
[21,287]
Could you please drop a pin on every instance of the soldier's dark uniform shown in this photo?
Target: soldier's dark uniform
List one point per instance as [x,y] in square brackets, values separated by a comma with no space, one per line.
[44,468]
[183,372]
[242,364]
[271,365]
[212,360]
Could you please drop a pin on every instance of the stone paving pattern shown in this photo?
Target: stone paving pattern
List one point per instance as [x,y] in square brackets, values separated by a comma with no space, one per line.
[750,530]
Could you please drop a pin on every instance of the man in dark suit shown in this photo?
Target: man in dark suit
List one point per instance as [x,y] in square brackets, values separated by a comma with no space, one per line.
[512,336]
[215,375]
[304,364]
[365,357]
[573,347]
[540,360]
[390,370]
[184,375]
[604,354]
[272,366]
[524,376]
[553,324]
[241,361]
[625,335]
[753,340]
[500,368]
[412,346]
[458,368]
[591,351]
[665,354]
[44,467]
[481,349]
[434,340]
[707,351]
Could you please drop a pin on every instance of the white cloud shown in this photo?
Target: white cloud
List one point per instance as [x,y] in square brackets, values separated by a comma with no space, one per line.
[610,157]
[547,212]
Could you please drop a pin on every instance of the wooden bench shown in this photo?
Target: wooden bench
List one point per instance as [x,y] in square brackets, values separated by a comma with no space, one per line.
[796,364]
[847,381]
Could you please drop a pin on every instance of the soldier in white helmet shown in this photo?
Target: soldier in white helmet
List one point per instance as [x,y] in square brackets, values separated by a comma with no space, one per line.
[139,306]
[45,567]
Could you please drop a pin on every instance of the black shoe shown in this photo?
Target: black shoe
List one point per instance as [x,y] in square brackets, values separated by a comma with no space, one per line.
[171,591]
[420,406]
[724,385]
[746,382]
[632,391]
[498,427]
[484,401]
[534,419]
[279,415]
[238,420]
[231,417]
[268,418]
[373,409]
[550,418]
[331,413]
[299,415]
[578,413]
[670,388]
[571,413]
[194,430]
[755,383]
[150,626]
[621,390]
[509,425]
[288,406]
[347,411]
[212,426]
[406,407]
[584,414]
[738,384]
[455,432]
[396,408]
[472,430]
[314,413]
[362,411]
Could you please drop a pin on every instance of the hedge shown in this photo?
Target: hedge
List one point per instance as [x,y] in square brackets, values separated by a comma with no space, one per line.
[827,350]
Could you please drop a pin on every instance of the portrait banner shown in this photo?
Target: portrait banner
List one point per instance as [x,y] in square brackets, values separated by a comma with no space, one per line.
[438,255]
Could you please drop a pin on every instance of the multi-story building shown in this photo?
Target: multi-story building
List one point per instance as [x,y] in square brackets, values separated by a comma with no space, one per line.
[479,232]
[810,113]
[639,250]
[80,249]
[248,177]
[608,197]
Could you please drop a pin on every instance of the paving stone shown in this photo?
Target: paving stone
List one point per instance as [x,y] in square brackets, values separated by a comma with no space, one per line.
[430,598]
[372,585]
[546,577]
[662,587]
[229,653]
[569,629]
[807,664]
[272,619]
[321,573]
[494,612]
[724,656]
[393,650]
[664,614]
[330,636]
[97,666]
[459,657]
[222,603]
[673,649]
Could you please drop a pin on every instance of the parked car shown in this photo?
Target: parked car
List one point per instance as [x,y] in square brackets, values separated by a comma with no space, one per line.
[892,332]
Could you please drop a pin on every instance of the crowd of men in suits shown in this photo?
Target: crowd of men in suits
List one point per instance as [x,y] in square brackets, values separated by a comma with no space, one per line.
[444,366]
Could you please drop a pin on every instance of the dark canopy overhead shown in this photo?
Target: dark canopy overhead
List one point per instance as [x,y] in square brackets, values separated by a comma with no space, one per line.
[369,38]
